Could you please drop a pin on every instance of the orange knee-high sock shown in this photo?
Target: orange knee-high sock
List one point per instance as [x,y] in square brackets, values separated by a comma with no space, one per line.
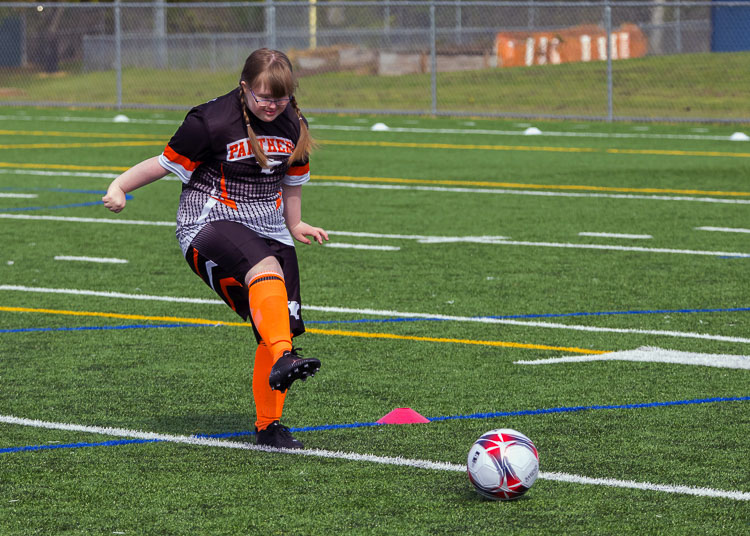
[270,311]
[268,403]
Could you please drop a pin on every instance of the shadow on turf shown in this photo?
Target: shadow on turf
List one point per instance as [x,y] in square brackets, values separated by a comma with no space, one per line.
[472,496]
[193,424]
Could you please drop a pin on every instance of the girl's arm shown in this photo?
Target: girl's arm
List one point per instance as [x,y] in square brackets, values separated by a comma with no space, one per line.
[300,230]
[139,175]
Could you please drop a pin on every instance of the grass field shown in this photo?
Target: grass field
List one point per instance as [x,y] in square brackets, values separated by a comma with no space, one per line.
[686,86]
[464,249]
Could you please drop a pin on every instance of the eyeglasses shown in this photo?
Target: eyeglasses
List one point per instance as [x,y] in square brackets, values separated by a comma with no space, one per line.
[268,102]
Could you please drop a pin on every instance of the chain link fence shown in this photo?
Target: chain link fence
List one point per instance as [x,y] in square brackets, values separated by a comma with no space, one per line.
[614,60]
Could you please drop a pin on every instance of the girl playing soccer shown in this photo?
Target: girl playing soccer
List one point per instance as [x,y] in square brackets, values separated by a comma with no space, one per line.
[243,158]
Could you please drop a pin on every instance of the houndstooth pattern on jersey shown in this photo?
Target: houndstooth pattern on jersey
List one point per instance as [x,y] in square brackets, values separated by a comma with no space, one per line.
[234,191]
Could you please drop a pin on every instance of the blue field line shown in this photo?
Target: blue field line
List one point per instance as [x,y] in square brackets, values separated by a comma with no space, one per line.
[414,319]
[58,190]
[634,312]
[539,315]
[94,328]
[572,409]
[112,443]
[491,415]
[71,205]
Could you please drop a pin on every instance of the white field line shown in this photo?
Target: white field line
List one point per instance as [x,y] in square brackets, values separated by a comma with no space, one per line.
[82,119]
[723,229]
[501,241]
[621,248]
[86,220]
[111,260]
[617,235]
[502,191]
[18,196]
[686,490]
[377,312]
[423,239]
[654,355]
[415,130]
[59,173]
[497,191]
[114,295]
[555,134]
[84,174]
[344,245]
[371,458]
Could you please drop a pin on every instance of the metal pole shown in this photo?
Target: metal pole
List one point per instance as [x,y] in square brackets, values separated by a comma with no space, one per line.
[271,24]
[118,53]
[459,23]
[531,16]
[433,57]
[678,15]
[387,22]
[656,41]
[160,33]
[608,23]
[313,23]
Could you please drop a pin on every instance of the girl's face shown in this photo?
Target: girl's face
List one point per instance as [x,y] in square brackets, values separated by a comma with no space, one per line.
[262,103]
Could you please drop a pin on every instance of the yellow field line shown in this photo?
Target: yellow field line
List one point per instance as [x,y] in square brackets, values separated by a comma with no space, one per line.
[351,143]
[123,316]
[489,184]
[504,344]
[82,145]
[62,134]
[394,180]
[416,145]
[337,332]
[322,142]
[163,140]
[531,148]
[65,167]
[665,152]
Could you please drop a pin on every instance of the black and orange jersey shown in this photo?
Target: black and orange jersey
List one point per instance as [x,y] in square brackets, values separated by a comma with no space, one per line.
[211,154]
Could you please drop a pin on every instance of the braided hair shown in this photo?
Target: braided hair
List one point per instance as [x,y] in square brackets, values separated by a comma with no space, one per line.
[274,69]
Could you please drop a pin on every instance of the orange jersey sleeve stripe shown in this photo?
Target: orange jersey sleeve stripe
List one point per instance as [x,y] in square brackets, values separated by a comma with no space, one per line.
[177,158]
[298,171]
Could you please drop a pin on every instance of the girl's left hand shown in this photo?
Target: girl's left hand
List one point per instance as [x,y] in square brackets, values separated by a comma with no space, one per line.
[302,230]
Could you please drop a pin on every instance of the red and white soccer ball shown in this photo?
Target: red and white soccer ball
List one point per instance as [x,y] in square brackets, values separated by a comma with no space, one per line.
[503,464]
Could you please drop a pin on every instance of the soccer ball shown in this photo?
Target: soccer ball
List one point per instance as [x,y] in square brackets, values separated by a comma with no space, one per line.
[503,464]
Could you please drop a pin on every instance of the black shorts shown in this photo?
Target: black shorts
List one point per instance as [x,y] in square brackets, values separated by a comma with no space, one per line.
[223,252]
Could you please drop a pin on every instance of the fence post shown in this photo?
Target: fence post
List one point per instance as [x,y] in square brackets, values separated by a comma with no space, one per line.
[313,21]
[459,23]
[118,53]
[656,41]
[433,57]
[160,34]
[270,24]
[678,16]
[608,25]
[387,18]
[531,16]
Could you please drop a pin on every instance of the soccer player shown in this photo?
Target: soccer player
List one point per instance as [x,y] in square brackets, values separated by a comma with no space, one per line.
[243,158]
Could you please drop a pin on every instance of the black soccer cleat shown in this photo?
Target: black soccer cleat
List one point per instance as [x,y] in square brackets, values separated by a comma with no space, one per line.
[278,436]
[290,367]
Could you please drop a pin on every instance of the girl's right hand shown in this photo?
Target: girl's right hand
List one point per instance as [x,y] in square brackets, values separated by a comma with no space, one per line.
[114,199]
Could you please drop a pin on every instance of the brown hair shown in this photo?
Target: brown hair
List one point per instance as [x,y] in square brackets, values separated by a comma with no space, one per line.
[273,69]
